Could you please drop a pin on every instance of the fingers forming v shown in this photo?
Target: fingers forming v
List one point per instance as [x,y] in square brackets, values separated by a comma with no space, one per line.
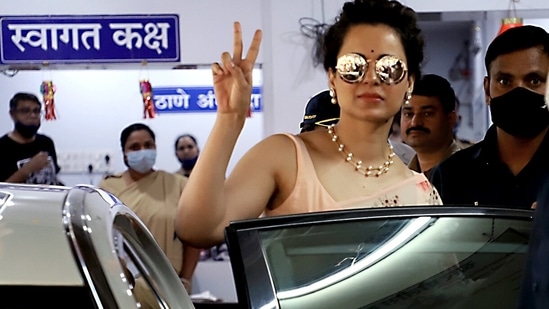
[253,51]
[237,44]
[228,63]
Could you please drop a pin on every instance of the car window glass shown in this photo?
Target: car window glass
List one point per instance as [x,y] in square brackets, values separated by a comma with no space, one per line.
[130,250]
[422,262]
[153,281]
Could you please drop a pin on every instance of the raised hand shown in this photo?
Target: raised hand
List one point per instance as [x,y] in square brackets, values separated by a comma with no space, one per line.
[233,76]
[38,162]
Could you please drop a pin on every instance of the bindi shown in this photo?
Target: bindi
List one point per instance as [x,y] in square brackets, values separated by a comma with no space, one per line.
[372,51]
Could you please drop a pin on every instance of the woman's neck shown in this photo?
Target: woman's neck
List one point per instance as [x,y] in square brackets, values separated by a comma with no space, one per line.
[366,142]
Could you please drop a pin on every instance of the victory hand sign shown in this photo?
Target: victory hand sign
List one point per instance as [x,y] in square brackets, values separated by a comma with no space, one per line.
[233,76]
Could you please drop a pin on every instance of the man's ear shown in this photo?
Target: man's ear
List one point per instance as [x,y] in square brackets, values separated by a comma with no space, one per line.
[12,115]
[452,119]
[487,89]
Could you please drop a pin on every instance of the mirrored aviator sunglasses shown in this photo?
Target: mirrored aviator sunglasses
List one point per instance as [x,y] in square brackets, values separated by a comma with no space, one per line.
[353,67]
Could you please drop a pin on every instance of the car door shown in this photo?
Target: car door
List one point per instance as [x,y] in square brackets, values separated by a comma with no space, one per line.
[118,256]
[408,257]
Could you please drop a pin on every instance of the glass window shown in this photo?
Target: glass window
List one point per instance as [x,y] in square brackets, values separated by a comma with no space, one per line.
[421,262]
[153,281]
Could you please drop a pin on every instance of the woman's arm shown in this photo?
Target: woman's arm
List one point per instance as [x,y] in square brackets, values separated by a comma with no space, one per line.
[209,202]
[206,204]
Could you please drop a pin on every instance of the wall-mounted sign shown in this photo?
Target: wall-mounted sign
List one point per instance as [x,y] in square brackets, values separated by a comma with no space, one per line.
[89,39]
[194,99]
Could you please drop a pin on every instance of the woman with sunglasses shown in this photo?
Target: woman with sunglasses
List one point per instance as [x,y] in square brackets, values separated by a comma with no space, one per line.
[372,55]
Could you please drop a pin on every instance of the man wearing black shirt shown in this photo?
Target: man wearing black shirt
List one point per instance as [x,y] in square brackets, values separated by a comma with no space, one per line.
[28,157]
[507,167]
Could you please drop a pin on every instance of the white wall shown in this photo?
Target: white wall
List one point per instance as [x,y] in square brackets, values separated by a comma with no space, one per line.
[541,22]
[440,55]
[93,106]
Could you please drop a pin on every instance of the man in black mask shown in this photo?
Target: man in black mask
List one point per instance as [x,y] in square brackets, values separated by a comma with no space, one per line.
[507,167]
[27,157]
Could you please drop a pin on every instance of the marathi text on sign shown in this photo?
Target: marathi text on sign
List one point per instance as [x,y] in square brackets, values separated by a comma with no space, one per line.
[194,99]
[88,39]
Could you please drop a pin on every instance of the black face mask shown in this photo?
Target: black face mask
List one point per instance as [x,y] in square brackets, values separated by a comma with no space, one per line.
[520,112]
[188,164]
[27,131]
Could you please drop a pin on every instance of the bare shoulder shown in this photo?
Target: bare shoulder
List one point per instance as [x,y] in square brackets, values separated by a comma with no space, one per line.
[279,139]
[277,144]
[274,155]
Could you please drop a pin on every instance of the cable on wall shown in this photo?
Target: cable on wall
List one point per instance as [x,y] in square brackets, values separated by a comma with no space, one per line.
[314,29]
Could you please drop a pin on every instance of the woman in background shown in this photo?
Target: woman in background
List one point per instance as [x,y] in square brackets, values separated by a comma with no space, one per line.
[153,195]
[186,151]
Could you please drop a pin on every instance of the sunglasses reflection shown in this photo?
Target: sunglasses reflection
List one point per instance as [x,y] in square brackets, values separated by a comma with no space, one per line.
[352,68]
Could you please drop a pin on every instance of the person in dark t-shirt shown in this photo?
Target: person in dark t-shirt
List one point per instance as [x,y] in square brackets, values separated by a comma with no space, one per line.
[506,168]
[27,157]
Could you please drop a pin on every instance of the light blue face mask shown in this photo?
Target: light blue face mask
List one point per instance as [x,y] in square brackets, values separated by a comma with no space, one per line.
[141,161]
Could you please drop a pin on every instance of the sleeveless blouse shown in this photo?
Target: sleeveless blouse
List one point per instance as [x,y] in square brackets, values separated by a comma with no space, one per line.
[308,194]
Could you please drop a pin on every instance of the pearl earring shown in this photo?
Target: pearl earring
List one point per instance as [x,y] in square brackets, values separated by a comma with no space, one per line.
[408,97]
[333,95]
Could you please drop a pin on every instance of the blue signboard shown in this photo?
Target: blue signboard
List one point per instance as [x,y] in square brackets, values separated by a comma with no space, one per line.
[89,39]
[194,99]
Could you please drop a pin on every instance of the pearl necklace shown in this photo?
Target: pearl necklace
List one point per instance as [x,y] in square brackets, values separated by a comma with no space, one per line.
[358,165]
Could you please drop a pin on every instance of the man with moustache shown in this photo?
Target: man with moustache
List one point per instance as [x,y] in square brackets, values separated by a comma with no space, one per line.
[428,121]
[28,157]
[506,169]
